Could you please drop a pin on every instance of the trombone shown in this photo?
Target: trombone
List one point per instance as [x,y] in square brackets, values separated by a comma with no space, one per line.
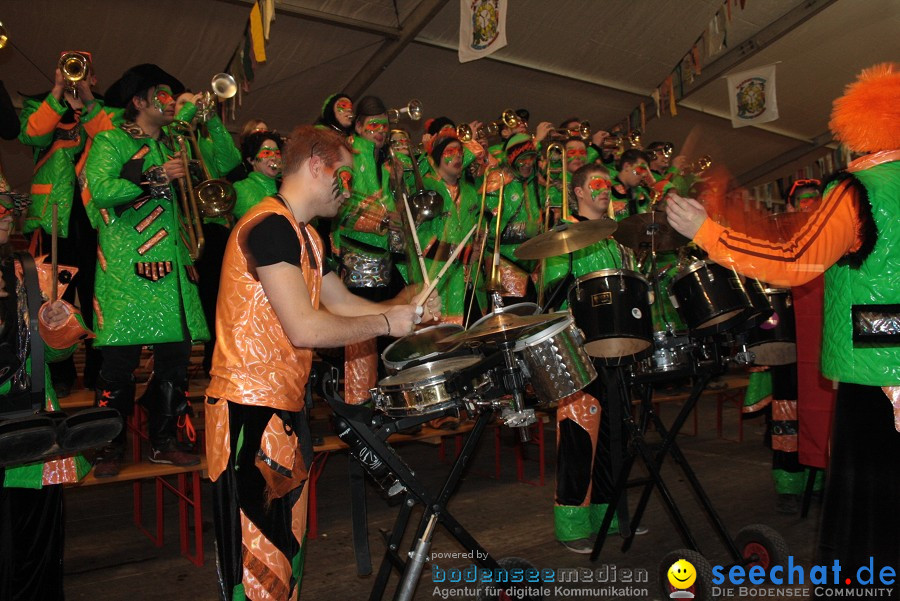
[413,109]
[465,134]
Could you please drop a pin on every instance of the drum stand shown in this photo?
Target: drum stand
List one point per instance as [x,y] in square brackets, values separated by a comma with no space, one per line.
[638,447]
[374,432]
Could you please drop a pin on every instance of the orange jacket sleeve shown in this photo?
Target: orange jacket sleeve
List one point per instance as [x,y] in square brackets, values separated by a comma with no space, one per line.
[831,232]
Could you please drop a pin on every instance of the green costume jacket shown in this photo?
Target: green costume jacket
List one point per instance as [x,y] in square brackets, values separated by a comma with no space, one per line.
[876,281]
[146,281]
[362,217]
[55,147]
[440,236]
[251,190]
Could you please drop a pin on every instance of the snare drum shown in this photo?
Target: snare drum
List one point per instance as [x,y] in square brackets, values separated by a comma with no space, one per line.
[709,297]
[774,341]
[671,355]
[612,308]
[422,390]
[557,363]
[419,347]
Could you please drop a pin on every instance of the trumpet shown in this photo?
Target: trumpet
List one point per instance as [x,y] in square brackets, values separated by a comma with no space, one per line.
[665,150]
[223,87]
[74,67]
[698,165]
[510,119]
[413,109]
[464,131]
[4,36]
[583,131]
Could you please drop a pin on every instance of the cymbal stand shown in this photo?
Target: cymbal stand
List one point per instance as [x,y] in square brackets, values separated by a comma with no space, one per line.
[559,287]
[373,432]
[639,447]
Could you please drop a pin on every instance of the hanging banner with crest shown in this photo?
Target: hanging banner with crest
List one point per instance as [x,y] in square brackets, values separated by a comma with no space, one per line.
[752,96]
[482,28]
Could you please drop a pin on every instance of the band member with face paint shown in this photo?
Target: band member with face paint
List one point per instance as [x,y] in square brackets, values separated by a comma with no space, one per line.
[521,218]
[629,197]
[337,113]
[59,126]
[279,301]
[440,236]
[146,288]
[366,236]
[261,151]
[587,454]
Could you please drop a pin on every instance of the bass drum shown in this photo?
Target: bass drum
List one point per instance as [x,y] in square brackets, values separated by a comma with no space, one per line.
[774,341]
[710,298]
[612,308]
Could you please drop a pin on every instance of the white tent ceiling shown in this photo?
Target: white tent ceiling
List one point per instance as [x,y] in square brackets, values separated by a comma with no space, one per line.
[594,59]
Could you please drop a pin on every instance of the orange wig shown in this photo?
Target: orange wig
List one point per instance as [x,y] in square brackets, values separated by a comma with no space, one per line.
[867,117]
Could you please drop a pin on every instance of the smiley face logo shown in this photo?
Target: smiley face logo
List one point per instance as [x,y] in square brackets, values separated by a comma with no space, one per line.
[682,574]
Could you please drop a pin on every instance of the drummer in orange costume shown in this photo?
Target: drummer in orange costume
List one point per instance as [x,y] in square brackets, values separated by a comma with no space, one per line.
[269,319]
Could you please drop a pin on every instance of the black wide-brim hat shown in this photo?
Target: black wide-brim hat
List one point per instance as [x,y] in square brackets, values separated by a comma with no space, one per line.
[137,78]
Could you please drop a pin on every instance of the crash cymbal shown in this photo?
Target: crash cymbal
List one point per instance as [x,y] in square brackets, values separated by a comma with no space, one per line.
[566,238]
[500,327]
[636,231]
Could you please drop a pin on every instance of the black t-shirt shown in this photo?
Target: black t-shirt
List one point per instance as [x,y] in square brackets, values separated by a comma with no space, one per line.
[274,240]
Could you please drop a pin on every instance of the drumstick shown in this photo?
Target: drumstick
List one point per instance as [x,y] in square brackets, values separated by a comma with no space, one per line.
[420,298]
[415,238]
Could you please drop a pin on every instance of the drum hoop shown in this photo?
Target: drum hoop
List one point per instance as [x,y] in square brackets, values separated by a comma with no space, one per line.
[777,290]
[398,364]
[437,378]
[611,272]
[549,332]
[695,266]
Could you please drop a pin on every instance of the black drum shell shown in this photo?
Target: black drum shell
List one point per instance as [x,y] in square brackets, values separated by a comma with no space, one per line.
[774,342]
[710,298]
[612,308]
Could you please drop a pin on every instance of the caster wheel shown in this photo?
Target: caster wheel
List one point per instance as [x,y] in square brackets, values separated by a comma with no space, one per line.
[513,592]
[700,590]
[760,545]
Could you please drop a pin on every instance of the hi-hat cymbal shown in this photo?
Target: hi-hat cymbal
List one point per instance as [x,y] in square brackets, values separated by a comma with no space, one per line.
[566,238]
[500,327]
[636,232]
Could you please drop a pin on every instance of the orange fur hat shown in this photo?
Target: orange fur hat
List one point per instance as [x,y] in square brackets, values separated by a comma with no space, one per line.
[867,117]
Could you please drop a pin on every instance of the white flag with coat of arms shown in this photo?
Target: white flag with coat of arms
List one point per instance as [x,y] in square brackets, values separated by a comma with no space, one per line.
[752,96]
[482,28]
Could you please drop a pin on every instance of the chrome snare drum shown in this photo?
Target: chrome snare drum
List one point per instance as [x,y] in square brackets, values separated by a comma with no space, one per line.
[424,389]
[612,308]
[557,363]
[710,298]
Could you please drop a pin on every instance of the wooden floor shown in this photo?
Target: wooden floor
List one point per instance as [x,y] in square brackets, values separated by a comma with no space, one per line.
[108,558]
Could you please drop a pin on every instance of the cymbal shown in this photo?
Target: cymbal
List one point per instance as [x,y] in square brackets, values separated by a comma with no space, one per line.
[566,238]
[500,327]
[635,232]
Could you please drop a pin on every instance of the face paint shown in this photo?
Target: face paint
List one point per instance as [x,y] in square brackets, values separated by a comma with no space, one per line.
[450,154]
[343,181]
[268,152]
[807,201]
[400,144]
[525,160]
[376,125]
[161,99]
[576,154]
[598,184]
[344,106]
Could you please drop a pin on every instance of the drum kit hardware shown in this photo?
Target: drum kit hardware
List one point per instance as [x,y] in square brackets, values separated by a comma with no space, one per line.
[441,370]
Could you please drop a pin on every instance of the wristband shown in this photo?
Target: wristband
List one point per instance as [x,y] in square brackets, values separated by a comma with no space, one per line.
[388,323]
